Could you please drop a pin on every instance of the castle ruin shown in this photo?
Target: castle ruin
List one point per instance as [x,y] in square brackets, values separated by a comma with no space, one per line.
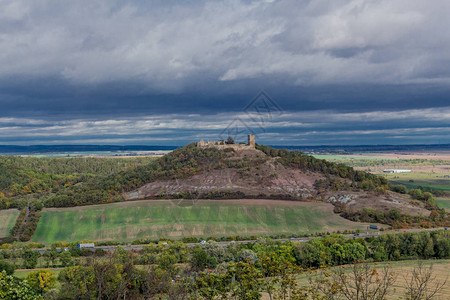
[223,144]
[251,140]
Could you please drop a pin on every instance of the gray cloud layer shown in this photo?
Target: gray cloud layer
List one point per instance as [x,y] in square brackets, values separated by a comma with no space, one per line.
[168,46]
[318,127]
[74,71]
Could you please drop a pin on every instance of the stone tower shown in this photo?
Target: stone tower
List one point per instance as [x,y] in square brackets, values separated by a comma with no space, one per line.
[251,140]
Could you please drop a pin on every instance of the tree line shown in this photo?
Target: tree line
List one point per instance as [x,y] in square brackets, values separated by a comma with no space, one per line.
[172,270]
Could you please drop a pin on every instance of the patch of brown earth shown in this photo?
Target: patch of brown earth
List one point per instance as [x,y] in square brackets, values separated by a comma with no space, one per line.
[384,202]
[266,178]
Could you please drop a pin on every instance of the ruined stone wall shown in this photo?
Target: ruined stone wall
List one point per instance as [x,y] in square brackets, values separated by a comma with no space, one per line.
[251,140]
[234,146]
[224,145]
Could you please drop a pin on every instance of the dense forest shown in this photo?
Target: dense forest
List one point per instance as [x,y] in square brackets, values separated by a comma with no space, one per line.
[20,176]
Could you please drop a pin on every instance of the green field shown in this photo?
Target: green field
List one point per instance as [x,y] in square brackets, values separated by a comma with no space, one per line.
[443,203]
[413,180]
[344,158]
[127,221]
[419,177]
[371,160]
[7,220]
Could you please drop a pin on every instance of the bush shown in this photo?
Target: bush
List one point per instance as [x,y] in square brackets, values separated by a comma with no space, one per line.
[13,288]
[41,281]
[399,189]
[7,267]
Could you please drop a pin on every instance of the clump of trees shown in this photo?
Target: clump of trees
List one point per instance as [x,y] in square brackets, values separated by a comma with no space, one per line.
[356,179]
[14,288]
[394,217]
[21,176]
[173,270]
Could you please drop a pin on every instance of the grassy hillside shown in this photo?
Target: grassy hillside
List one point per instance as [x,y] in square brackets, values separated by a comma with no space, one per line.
[177,219]
[7,221]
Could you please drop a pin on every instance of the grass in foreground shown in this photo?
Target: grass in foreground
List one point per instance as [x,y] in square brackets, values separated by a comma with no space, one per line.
[7,220]
[402,269]
[127,221]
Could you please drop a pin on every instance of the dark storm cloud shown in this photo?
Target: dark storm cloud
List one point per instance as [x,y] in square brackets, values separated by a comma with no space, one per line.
[170,72]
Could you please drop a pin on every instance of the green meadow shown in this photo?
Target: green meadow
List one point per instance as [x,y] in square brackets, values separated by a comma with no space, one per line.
[7,220]
[433,181]
[443,203]
[153,219]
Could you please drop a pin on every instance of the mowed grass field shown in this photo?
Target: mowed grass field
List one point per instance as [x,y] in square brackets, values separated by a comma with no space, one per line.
[7,220]
[402,270]
[127,221]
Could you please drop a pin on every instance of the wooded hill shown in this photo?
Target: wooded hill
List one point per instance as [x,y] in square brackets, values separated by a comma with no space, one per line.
[210,173]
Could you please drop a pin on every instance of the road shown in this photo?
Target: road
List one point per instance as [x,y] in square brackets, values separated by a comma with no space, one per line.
[300,240]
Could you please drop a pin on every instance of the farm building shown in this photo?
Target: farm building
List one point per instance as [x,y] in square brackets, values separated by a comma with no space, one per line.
[396,171]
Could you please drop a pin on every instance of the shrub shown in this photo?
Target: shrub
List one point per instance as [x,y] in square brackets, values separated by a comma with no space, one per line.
[7,267]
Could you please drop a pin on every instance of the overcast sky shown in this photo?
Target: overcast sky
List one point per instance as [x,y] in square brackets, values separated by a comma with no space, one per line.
[171,72]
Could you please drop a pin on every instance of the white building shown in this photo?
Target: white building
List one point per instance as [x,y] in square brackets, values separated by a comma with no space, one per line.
[396,171]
